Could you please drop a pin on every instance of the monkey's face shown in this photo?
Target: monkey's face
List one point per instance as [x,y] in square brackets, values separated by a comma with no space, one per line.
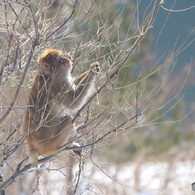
[52,61]
[65,62]
[63,66]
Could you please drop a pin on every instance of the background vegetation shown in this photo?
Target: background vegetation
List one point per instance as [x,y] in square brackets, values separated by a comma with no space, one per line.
[137,119]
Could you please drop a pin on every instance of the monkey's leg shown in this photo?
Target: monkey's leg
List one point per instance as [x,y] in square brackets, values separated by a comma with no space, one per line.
[73,139]
[55,136]
[32,152]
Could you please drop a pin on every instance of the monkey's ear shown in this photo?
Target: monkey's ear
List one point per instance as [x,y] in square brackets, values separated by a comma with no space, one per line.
[45,66]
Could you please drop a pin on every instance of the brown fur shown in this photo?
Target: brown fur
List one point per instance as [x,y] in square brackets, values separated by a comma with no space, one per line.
[54,94]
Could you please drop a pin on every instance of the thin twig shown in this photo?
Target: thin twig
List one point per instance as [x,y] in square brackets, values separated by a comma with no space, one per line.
[29,167]
[81,164]
[20,83]
[72,13]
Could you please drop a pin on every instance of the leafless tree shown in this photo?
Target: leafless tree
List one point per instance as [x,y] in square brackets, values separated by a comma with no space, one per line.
[119,105]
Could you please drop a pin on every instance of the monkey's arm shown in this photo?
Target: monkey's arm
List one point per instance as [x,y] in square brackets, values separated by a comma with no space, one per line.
[93,67]
[77,80]
[75,98]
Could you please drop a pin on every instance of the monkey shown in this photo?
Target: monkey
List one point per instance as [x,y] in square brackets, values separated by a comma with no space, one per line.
[54,94]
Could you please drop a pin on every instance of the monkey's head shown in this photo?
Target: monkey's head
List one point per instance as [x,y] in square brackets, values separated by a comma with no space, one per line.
[51,61]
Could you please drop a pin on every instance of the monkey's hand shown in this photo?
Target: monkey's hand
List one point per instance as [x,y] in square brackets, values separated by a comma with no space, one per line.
[95,67]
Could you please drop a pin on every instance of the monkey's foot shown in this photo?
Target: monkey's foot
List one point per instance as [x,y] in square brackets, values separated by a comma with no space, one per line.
[78,151]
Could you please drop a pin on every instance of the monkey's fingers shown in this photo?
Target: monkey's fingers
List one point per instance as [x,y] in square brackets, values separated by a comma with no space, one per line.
[95,67]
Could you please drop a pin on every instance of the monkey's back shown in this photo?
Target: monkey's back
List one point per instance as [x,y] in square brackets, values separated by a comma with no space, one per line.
[42,116]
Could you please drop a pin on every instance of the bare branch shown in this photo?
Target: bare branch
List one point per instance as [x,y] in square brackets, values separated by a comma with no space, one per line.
[20,83]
